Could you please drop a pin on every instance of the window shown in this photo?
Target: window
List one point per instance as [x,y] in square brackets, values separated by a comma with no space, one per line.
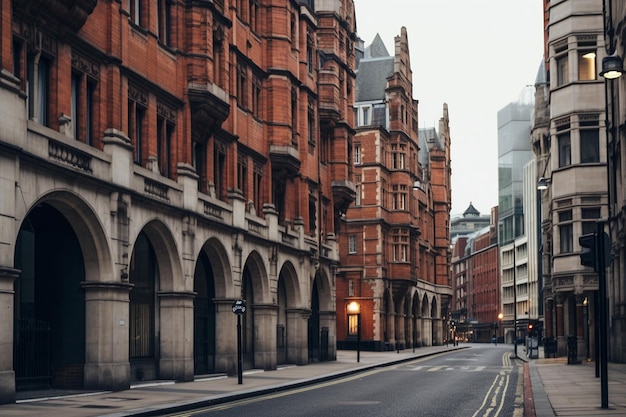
[165,132]
[353,324]
[399,197]
[312,211]
[562,69]
[83,90]
[400,244]
[590,214]
[566,231]
[198,155]
[384,201]
[311,121]
[350,288]
[587,65]
[309,53]
[379,116]
[136,12]
[357,153]
[256,95]
[366,116]
[242,86]
[358,187]
[565,149]
[352,244]
[164,24]
[219,169]
[398,156]
[254,15]
[257,181]
[219,71]
[589,139]
[242,173]
[38,88]
[137,102]
[294,117]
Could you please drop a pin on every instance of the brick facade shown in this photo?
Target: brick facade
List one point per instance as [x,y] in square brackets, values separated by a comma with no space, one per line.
[395,243]
[194,154]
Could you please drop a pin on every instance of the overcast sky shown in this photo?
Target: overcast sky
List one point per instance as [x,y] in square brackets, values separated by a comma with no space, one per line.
[475,55]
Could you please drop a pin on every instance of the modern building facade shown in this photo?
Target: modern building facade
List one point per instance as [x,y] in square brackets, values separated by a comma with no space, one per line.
[569,143]
[396,233]
[160,161]
[514,152]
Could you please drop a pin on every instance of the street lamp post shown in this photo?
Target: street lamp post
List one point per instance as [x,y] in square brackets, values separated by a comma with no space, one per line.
[354,308]
[500,317]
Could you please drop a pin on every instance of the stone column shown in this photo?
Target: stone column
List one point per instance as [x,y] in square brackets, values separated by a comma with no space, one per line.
[226,336]
[580,328]
[265,321]
[549,318]
[427,331]
[297,336]
[176,341]
[561,339]
[328,321]
[107,366]
[400,336]
[7,297]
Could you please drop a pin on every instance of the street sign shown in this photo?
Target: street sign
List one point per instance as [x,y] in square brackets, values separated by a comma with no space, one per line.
[239,307]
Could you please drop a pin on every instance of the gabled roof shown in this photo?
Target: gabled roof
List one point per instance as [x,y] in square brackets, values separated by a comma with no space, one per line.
[376,49]
[374,69]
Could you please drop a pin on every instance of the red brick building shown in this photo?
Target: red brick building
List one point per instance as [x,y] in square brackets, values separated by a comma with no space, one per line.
[159,161]
[476,285]
[395,243]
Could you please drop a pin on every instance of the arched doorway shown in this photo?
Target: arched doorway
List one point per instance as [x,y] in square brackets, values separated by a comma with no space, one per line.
[144,275]
[49,313]
[204,317]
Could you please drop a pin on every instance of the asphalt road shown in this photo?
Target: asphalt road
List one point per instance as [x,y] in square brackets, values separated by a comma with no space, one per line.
[482,381]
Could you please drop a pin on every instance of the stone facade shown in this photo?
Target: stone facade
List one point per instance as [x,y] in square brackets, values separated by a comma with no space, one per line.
[569,143]
[615,38]
[158,162]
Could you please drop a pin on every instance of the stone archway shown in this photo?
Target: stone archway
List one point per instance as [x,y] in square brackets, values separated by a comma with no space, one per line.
[159,308]
[212,316]
[259,321]
[290,323]
[321,323]
[66,282]
[49,303]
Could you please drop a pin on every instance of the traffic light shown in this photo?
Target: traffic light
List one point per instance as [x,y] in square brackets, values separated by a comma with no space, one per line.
[588,255]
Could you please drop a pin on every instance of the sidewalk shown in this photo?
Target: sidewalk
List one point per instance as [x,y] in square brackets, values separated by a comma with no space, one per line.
[558,389]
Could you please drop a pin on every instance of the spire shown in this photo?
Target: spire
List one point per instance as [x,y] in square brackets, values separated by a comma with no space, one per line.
[471,211]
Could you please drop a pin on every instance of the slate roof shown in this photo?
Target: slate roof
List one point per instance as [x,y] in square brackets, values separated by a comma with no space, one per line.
[374,69]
